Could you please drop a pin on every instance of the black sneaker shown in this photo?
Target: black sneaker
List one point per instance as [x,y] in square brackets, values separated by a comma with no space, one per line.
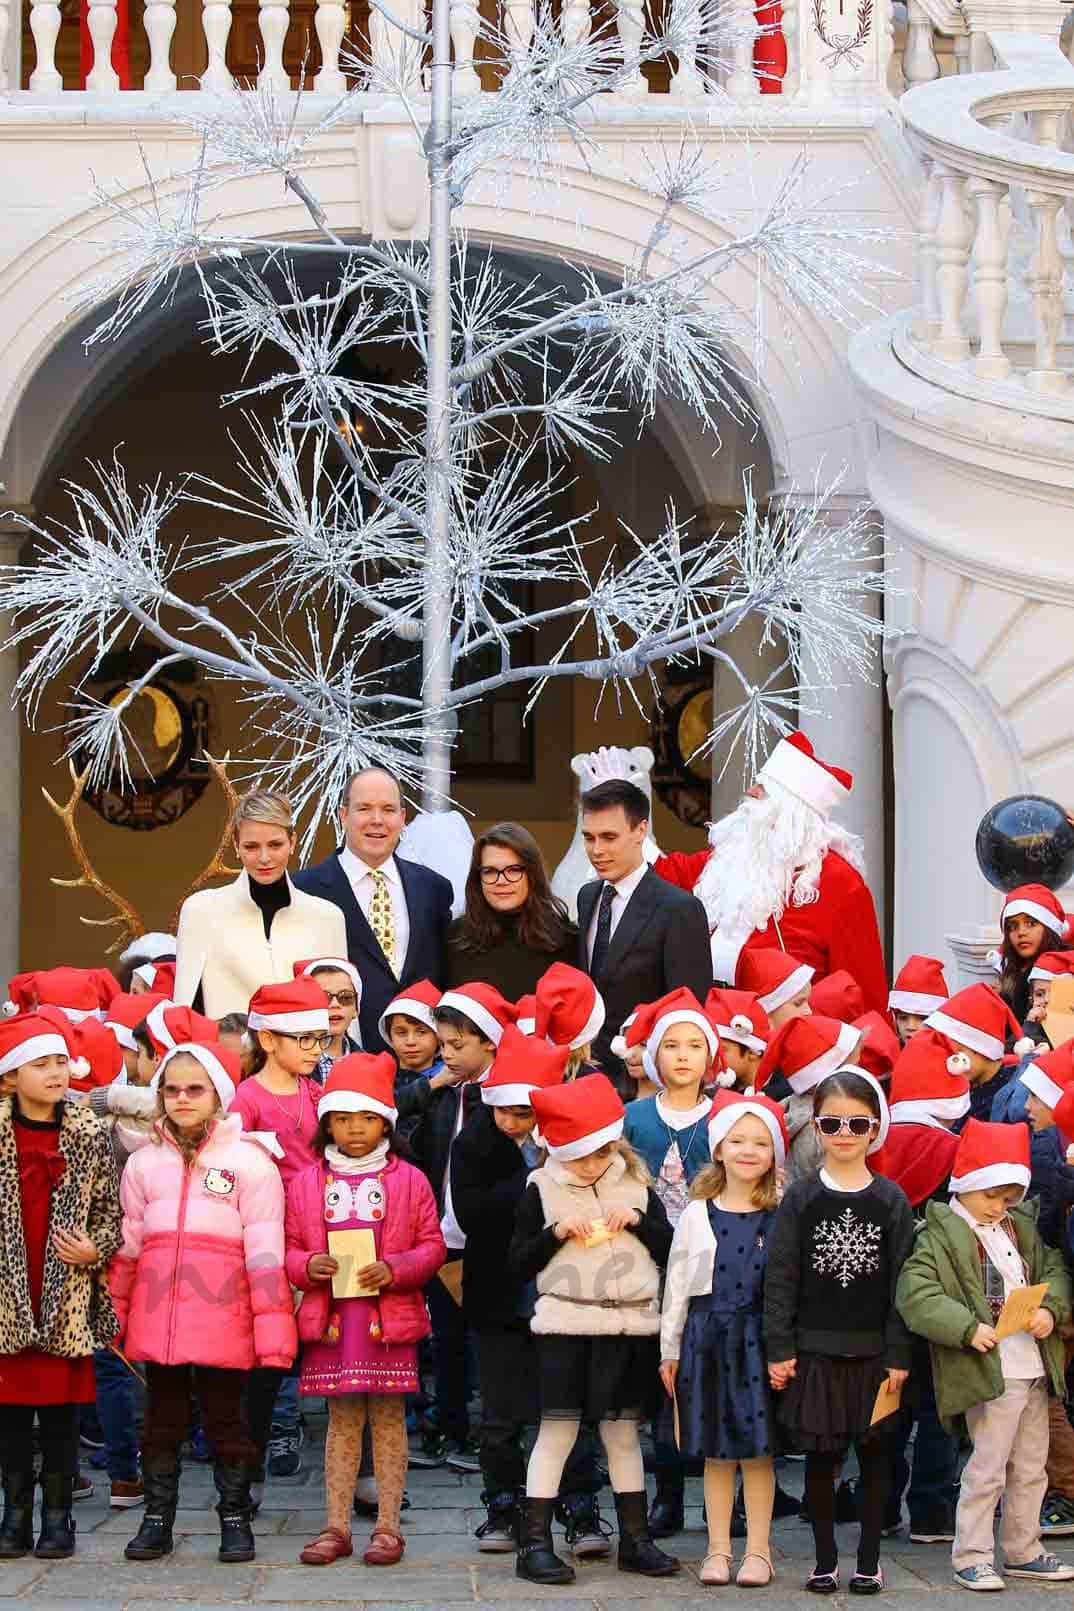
[1056,1516]
[587,1533]
[431,1452]
[933,1525]
[462,1457]
[283,1452]
[498,1533]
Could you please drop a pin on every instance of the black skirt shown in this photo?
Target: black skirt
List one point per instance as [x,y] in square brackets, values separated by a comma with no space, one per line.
[828,1404]
[597,1378]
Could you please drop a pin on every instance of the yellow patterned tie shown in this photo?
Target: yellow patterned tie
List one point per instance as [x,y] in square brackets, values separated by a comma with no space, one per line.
[382,917]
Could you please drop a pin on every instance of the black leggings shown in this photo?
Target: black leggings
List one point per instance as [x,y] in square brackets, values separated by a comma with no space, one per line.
[58,1425]
[874,1463]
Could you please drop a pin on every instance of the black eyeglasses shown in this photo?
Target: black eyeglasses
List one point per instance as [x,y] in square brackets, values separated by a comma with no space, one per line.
[513,874]
[829,1125]
[309,1042]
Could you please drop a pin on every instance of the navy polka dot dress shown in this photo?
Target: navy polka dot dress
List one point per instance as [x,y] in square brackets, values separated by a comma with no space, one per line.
[725,1407]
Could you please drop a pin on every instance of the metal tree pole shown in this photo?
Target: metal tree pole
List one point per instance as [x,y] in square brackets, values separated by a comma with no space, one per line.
[436,651]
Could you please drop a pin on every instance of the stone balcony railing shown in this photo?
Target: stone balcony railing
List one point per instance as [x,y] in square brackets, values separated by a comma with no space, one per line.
[995,251]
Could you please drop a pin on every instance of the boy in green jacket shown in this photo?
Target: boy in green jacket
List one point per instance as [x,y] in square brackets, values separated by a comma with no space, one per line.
[965,1264]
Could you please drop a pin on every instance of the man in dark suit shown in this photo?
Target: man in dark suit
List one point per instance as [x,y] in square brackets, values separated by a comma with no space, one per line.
[397,911]
[639,936]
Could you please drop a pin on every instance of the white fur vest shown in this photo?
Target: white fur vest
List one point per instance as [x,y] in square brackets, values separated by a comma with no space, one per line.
[610,1290]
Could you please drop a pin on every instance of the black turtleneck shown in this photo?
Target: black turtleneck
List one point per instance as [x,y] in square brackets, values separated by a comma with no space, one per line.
[269,899]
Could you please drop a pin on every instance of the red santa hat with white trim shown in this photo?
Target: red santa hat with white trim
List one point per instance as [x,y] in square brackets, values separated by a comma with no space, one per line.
[919,988]
[1052,965]
[74,990]
[299,1007]
[795,766]
[361,1082]
[772,976]
[26,1037]
[979,1019]
[837,995]
[569,1008]
[928,1083]
[1048,1076]
[653,1019]
[223,1067]
[1064,1115]
[418,1001]
[729,1107]
[739,1017]
[578,1118]
[880,1049]
[486,1009]
[158,978]
[1039,903]
[309,969]
[523,1064]
[96,1055]
[806,1050]
[170,1026]
[127,1012]
[526,1008]
[990,1155]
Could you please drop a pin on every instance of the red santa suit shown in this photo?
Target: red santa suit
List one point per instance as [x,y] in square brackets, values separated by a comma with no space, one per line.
[838,929]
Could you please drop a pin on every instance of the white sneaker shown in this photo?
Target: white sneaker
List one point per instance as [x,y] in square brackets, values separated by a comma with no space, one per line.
[983,1579]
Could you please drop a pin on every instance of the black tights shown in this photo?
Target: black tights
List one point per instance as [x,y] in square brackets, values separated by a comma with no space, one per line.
[58,1429]
[874,1462]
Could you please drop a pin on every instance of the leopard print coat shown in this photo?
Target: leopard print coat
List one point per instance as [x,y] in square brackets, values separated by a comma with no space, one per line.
[76,1310]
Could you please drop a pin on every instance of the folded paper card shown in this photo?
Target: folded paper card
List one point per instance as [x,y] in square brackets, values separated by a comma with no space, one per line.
[886,1403]
[352,1251]
[598,1233]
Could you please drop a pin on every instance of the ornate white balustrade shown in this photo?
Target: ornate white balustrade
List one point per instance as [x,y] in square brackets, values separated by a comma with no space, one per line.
[995,251]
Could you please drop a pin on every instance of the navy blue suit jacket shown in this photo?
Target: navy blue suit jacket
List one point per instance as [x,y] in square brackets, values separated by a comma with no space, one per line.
[428,898]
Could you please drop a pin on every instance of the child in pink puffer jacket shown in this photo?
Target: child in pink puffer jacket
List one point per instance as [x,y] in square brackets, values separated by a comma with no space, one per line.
[199,1287]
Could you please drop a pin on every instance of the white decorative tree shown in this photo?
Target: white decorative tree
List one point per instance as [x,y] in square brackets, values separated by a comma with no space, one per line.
[421,527]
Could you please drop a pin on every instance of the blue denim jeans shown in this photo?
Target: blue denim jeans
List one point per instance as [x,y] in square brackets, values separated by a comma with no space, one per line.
[115,1411]
[285,1409]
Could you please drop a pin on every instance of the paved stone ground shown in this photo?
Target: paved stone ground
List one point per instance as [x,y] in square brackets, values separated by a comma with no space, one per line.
[441,1567]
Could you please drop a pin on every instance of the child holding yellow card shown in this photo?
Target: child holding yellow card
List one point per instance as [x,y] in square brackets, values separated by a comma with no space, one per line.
[363,1238]
[969,1269]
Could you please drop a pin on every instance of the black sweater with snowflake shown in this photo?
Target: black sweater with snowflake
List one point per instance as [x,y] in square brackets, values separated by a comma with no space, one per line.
[833,1260]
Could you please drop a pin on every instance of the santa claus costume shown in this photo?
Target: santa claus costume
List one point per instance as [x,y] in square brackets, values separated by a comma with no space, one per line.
[780,873]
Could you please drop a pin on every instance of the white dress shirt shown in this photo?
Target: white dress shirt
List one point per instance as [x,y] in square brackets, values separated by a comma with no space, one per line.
[360,878]
[624,889]
[1019,1355]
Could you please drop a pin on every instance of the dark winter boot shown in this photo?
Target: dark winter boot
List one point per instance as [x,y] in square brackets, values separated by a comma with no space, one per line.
[536,1560]
[57,1538]
[498,1533]
[160,1474]
[236,1534]
[637,1552]
[666,1513]
[17,1527]
[585,1532]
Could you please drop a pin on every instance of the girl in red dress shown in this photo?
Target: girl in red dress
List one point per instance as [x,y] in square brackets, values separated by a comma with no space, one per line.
[61,1207]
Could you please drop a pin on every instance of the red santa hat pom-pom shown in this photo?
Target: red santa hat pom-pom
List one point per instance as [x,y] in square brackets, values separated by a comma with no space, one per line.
[991,1155]
[959,1063]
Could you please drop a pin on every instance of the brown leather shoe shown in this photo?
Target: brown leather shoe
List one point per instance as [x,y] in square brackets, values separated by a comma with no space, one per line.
[329,1545]
[385,1547]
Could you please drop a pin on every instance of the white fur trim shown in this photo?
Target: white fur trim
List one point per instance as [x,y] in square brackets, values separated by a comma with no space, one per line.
[310,1021]
[1035,1080]
[418,1010]
[725,1120]
[528,1026]
[965,1034]
[146,972]
[489,1025]
[648,1063]
[787,991]
[124,1035]
[570,1150]
[336,965]
[699,1021]
[828,1062]
[1037,972]
[218,1074]
[923,1110]
[355,1102]
[30,1050]
[914,1002]
[997,1174]
[804,777]
[508,1096]
[725,955]
[160,1031]
[78,1015]
[1040,914]
[592,1026]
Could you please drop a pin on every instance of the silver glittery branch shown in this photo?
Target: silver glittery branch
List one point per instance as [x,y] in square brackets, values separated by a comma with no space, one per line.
[385,532]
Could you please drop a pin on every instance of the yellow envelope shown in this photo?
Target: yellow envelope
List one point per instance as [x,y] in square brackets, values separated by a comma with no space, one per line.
[886,1403]
[1019,1309]
[451,1277]
[598,1233]
[353,1251]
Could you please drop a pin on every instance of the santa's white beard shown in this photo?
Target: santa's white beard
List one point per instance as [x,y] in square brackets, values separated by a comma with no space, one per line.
[767,855]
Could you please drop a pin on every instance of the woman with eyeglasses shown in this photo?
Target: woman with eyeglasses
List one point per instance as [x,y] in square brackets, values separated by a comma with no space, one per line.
[253,931]
[513,927]
[838,1350]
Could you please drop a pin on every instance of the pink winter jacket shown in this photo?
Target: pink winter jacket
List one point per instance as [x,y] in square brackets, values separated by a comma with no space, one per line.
[410,1242]
[199,1279]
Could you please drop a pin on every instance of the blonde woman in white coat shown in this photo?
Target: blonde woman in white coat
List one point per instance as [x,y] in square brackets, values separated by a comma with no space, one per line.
[233,940]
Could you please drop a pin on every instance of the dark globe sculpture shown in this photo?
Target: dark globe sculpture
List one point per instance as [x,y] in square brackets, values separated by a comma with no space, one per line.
[1026,840]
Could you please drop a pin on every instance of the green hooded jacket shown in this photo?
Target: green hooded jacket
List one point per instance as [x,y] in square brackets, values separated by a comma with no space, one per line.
[940,1295]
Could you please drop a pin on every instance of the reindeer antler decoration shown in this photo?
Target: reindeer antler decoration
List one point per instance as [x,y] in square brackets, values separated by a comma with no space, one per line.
[217,867]
[88,879]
